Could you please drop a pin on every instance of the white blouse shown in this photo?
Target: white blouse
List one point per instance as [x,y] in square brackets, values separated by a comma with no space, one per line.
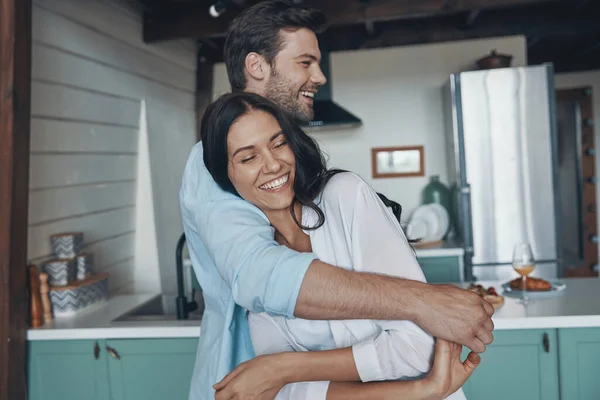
[360,234]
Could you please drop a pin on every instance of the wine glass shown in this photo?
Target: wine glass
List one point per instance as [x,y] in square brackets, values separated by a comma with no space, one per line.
[524,264]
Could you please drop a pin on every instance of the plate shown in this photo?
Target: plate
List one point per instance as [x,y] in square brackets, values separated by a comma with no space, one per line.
[443,220]
[425,214]
[558,288]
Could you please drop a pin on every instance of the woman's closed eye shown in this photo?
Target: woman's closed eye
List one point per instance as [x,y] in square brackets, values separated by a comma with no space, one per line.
[280,144]
[247,159]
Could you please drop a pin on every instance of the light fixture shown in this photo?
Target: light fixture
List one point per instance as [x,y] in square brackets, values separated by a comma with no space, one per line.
[217,9]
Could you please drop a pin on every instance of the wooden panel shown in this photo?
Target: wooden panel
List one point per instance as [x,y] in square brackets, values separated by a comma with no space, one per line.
[579,355]
[15,95]
[152,368]
[583,97]
[68,103]
[51,170]
[49,135]
[516,366]
[51,204]
[122,274]
[59,67]
[68,370]
[111,251]
[440,269]
[95,227]
[100,15]
[58,31]
[194,21]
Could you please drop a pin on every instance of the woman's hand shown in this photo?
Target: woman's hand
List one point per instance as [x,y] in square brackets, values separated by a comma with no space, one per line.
[449,373]
[259,378]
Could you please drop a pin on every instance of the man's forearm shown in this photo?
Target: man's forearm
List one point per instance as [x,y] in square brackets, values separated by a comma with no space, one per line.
[329,292]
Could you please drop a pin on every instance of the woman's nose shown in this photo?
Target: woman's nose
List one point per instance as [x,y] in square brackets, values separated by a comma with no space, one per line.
[272,164]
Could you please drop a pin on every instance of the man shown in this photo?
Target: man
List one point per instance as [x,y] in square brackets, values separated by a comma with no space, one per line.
[271,49]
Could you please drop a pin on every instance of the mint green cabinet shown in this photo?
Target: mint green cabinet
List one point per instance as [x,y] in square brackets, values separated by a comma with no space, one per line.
[124,369]
[68,370]
[579,357]
[441,269]
[518,365]
[151,368]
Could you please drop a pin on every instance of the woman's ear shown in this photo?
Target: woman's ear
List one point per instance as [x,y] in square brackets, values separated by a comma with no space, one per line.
[256,66]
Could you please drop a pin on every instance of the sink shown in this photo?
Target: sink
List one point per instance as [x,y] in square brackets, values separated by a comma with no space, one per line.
[159,308]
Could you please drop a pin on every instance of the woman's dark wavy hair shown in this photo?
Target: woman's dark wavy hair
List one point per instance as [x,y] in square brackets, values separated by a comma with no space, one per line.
[311,172]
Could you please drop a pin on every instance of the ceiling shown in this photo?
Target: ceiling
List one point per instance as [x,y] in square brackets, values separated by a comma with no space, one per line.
[564,32]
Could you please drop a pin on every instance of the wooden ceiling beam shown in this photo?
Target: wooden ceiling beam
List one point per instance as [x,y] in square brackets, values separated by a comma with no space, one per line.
[195,22]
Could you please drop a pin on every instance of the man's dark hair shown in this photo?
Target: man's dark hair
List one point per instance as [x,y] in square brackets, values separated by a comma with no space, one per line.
[257,29]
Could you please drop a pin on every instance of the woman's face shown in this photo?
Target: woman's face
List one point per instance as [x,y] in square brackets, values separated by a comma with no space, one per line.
[261,164]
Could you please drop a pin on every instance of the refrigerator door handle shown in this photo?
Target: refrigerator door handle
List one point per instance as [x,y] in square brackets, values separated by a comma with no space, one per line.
[465,191]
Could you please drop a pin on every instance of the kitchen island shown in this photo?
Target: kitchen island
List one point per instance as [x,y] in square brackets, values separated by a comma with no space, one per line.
[550,341]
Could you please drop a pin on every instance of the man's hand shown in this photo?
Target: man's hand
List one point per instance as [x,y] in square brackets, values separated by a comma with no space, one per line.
[454,314]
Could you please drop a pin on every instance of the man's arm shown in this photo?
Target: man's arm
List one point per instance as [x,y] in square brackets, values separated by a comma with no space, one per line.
[445,311]
[267,277]
[380,250]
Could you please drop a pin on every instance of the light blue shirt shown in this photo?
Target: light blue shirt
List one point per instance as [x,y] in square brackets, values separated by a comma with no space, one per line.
[239,267]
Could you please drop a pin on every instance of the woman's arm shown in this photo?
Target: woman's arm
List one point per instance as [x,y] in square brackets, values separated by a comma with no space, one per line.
[262,377]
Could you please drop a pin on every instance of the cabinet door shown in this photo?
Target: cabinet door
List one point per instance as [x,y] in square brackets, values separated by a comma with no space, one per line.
[579,356]
[68,369]
[440,269]
[151,369]
[518,365]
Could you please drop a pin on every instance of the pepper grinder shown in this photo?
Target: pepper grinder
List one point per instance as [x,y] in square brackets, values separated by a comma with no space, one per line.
[36,299]
[44,289]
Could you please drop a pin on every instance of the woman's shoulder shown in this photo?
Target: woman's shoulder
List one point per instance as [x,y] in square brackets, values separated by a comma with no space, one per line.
[344,186]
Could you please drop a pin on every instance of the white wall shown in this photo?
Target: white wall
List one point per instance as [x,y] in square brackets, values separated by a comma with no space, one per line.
[397,93]
[580,79]
[90,73]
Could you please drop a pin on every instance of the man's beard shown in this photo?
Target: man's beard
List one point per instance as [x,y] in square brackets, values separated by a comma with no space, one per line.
[282,92]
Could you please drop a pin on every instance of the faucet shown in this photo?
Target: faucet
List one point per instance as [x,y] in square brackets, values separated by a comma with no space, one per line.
[183,306]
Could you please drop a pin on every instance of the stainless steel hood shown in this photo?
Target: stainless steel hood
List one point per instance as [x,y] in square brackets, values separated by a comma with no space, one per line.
[329,114]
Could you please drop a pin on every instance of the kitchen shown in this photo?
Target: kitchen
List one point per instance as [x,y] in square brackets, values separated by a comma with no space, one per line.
[75,49]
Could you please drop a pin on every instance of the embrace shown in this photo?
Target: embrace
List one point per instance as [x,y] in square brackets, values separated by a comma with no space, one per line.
[311,288]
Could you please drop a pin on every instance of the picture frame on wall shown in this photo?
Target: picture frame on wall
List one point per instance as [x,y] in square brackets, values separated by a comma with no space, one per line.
[398,162]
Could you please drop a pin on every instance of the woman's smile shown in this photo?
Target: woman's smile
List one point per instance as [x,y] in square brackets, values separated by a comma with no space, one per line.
[276,184]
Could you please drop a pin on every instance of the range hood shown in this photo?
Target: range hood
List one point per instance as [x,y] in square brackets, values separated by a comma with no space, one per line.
[329,114]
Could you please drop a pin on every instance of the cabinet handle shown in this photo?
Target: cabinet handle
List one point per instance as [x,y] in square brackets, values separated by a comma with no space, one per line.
[96,350]
[113,353]
[546,342]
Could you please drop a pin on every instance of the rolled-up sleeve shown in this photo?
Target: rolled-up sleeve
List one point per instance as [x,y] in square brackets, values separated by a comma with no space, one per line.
[263,275]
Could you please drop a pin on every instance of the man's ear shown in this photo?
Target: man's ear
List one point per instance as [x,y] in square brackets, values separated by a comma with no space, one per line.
[256,66]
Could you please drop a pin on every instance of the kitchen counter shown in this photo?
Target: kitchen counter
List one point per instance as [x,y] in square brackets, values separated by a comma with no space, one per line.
[577,306]
[97,322]
[447,249]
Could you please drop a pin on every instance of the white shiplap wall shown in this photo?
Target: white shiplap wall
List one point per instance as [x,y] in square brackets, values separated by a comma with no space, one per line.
[91,73]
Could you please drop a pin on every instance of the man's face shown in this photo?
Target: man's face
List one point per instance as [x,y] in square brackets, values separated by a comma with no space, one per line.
[296,74]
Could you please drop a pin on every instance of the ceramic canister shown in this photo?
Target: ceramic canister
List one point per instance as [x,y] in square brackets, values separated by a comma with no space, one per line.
[60,271]
[66,245]
[85,265]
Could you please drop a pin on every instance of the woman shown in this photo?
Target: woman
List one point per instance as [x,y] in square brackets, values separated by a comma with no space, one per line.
[254,150]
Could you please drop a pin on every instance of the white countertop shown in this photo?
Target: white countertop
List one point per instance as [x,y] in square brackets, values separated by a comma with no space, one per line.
[448,249]
[576,307]
[96,323]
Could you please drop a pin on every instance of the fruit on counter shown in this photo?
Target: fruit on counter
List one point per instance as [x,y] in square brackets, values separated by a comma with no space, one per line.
[488,294]
[533,284]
